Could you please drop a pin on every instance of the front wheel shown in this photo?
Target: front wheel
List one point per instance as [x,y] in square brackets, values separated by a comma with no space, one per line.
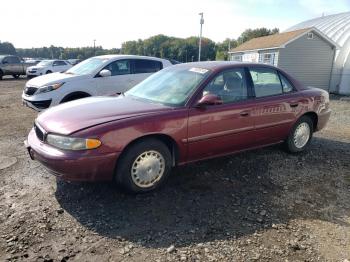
[48,72]
[144,166]
[300,136]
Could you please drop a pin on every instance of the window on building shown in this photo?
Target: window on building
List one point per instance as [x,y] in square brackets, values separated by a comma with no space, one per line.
[237,58]
[268,58]
[266,82]
[310,35]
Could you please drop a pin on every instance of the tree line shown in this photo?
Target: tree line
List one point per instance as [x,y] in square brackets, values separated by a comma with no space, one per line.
[180,49]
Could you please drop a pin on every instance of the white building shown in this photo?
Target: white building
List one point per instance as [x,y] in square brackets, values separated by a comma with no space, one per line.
[302,51]
[337,28]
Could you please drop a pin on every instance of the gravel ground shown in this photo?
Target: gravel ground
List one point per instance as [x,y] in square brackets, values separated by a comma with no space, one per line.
[263,205]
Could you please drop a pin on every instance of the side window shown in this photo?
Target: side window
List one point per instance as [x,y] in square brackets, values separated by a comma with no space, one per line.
[59,63]
[14,60]
[146,66]
[286,85]
[119,67]
[266,82]
[229,86]
[6,60]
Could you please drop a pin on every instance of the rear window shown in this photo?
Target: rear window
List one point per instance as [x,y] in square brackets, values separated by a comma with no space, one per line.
[146,66]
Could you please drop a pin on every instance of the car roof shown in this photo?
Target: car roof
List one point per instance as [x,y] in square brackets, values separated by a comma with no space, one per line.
[220,65]
[130,56]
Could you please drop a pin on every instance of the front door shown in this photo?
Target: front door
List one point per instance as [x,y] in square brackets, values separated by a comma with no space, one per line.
[224,128]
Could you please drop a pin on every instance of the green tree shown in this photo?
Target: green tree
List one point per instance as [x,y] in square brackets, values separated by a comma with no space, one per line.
[6,48]
[253,33]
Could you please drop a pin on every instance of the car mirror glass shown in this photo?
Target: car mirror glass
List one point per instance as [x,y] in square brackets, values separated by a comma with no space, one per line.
[209,99]
[105,73]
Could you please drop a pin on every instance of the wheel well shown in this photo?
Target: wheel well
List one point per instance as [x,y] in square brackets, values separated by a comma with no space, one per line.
[313,116]
[73,96]
[167,140]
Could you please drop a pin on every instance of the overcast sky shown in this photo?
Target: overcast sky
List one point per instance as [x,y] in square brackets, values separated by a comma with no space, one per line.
[74,23]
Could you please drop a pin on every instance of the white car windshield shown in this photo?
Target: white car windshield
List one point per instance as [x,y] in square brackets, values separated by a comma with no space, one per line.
[44,63]
[171,86]
[86,67]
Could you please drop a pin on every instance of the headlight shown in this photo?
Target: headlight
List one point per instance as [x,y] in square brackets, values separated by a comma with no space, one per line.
[49,88]
[72,143]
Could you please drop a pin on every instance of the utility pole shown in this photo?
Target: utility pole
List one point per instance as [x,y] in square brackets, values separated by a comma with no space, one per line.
[201,21]
[94,47]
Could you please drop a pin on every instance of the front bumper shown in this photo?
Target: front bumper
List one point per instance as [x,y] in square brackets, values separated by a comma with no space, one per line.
[85,165]
[37,105]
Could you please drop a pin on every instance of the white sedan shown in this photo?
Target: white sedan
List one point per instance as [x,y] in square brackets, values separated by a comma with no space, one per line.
[48,66]
[96,76]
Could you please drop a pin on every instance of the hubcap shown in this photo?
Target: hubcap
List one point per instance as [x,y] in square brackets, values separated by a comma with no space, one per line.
[148,168]
[301,135]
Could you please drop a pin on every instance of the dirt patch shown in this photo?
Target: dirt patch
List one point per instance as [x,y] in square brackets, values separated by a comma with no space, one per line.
[263,205]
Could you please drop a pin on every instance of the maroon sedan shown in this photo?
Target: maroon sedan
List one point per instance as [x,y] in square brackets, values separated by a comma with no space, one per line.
[181,114]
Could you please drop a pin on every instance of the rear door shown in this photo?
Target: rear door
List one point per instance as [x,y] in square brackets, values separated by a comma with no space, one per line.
[59,66]
[276,105]
[221,129]
[143,68]
[119,81]
[16,65]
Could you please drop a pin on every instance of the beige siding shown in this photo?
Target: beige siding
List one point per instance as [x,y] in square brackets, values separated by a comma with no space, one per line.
[309,60]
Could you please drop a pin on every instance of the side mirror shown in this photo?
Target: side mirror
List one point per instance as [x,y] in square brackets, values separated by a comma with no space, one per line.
[105,73]
[208,100]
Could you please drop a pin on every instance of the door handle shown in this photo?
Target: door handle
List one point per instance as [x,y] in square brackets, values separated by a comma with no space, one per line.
[244,113]
[294,104]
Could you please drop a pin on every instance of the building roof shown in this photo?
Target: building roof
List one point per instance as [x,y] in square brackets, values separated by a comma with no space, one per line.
[276,40]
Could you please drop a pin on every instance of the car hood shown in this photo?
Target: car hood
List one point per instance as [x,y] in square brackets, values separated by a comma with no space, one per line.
[53,78]
[73,116]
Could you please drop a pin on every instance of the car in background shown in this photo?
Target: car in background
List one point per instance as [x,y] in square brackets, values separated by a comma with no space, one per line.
[47,67]
[33,61]
[96,76]
[184,113]
[12,65]
[74,61]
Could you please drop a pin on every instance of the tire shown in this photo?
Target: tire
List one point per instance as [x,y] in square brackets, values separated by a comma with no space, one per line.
[299,142]
[48,72]
[15,76]
[1,75]
[158,158]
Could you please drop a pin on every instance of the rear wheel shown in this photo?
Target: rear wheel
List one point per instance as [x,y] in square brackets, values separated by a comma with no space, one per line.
[15,76]
[300,136]
[144,166]
[48,72]
[1,75]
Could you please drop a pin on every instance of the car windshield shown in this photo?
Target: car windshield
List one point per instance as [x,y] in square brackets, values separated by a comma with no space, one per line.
[87,67]
[171,86]
[44,63]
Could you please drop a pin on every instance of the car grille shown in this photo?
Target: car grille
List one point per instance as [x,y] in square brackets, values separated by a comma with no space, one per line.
[39,132]
[41,104]
[30,90]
